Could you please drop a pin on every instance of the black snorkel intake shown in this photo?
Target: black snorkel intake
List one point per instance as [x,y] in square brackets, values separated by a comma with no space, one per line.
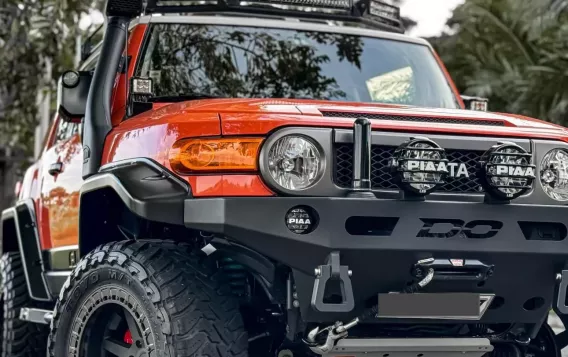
[97,123]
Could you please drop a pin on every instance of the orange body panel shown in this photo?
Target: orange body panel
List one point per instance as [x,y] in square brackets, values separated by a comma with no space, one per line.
[59,199]
[152,134]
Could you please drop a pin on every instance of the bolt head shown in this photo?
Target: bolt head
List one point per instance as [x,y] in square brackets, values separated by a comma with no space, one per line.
[558,277]
[317,271]
[349,272]
[296,303]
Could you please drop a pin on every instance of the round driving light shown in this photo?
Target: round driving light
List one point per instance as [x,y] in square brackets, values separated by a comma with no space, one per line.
[554,174]
[301,220]
[505,171]
[294,162]
[70,79]
[419,166]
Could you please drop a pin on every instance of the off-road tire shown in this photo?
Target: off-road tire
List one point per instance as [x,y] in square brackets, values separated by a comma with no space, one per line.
[185,302]
[19,338]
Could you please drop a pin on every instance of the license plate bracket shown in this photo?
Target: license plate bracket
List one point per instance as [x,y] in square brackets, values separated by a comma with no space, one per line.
[445,306]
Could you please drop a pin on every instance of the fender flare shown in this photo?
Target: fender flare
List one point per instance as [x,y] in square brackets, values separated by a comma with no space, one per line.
[23,218]
[147,189]
[8,238]
[151,192]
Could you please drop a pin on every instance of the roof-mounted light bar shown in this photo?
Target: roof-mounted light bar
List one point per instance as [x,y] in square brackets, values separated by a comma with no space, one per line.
[375,13]
[157,5]
[315,5]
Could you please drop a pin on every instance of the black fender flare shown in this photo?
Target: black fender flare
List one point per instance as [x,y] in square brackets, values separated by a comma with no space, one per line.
[143,186]
[8,238]
[151,192]
[22,219]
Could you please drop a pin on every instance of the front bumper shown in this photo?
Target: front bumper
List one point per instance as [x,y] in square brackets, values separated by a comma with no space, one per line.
[525,244]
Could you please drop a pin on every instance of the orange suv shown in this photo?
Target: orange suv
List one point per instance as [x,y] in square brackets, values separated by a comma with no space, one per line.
[282,178]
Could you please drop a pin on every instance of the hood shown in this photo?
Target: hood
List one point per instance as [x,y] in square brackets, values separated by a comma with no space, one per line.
[260,116]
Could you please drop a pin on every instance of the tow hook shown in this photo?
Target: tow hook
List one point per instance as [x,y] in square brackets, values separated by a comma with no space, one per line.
[335,332]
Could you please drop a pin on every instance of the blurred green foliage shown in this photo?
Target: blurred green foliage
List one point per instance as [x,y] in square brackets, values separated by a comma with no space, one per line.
[513,52]
[34,35]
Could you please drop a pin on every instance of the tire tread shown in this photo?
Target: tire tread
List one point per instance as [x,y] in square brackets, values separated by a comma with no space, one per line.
[20,338]
[199,316]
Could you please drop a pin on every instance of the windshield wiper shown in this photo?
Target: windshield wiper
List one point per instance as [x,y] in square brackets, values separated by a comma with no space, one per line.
[183,97]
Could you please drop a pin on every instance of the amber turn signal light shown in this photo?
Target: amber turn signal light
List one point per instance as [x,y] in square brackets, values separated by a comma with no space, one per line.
[215,154]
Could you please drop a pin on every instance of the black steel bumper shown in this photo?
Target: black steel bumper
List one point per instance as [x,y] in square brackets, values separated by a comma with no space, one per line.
[380,240]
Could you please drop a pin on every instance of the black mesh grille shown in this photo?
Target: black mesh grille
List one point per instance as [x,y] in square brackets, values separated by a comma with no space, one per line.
[382,179]
[411,118]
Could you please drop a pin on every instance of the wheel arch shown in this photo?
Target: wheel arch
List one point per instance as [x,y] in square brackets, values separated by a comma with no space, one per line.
[138,198]
[124,197]
[20,234]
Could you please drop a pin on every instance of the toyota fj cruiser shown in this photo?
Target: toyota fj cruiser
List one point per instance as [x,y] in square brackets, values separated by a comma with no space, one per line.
[282,178]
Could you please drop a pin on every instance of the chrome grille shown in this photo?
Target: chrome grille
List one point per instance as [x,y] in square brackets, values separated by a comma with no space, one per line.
[382,179]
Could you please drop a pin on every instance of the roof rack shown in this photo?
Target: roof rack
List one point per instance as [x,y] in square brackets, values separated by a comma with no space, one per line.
[373,13]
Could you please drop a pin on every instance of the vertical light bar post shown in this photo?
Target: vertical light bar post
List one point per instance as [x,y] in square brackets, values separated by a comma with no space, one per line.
[361,186]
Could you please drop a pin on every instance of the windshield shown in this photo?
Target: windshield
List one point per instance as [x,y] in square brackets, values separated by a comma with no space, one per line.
[251,62]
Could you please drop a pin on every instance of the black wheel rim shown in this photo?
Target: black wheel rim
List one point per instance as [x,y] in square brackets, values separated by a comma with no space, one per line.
[114,327]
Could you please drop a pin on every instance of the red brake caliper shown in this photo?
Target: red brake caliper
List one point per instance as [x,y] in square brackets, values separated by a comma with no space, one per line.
[128,337]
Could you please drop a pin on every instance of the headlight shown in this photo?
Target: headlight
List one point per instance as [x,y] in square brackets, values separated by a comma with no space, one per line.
[554,174]
[294,162]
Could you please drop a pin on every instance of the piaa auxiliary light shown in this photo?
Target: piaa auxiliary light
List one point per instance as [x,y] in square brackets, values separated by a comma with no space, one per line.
[419,166]
[301,220]
[505,171]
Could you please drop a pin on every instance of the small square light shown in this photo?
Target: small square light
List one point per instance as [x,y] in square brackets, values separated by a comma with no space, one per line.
[478,105]
[142,86]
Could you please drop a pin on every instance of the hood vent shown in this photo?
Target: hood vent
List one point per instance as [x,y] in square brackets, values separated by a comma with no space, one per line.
[354,115]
